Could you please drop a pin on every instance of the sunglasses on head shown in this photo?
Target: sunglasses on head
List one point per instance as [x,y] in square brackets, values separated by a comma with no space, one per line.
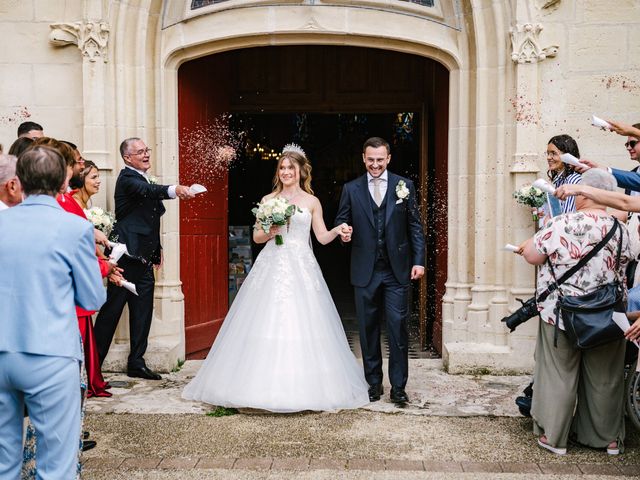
[631,143]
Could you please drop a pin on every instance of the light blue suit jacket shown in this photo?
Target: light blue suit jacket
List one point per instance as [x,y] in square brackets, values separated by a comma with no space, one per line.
[47,266]
[627,180]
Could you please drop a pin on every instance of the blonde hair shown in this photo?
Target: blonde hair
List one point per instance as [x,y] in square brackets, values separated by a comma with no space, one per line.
[303,166]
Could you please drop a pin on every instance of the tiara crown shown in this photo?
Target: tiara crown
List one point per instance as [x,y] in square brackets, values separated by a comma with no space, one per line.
[293,147]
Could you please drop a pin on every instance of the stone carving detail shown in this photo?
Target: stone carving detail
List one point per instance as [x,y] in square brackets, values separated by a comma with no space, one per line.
[525,44]
[90,37]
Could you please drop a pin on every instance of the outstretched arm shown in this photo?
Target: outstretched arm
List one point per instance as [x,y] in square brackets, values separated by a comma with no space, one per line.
[617,200]
[323,235]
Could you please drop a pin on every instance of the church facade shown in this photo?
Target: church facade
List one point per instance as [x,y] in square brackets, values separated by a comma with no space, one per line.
[496,79]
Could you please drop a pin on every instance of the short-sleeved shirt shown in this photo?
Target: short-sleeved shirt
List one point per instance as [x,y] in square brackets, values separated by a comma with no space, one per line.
[568,238]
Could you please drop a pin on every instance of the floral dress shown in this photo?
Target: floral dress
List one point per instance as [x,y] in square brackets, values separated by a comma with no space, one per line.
[565,240]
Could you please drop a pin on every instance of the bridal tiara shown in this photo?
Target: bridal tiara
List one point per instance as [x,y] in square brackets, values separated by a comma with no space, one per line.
[293,147]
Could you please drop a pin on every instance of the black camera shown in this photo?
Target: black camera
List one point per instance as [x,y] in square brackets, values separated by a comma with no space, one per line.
[529,309]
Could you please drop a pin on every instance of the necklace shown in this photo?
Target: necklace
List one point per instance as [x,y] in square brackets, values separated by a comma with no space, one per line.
[289,198]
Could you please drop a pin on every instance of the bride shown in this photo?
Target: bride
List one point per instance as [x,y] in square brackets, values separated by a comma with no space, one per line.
[282,347]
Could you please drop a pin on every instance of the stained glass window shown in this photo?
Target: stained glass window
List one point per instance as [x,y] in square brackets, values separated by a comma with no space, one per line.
[203,3]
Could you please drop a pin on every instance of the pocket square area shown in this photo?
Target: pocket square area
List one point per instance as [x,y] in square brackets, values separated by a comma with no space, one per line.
[399,201]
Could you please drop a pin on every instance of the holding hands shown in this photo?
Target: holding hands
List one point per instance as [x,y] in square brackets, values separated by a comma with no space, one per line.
[344,231]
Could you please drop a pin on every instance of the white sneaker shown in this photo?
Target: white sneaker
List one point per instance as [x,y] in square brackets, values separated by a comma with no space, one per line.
[556,450]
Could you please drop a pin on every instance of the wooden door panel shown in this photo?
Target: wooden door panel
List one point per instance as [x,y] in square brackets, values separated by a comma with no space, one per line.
[203,95]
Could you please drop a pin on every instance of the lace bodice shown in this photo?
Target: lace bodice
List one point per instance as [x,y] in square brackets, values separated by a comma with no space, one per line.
[298,231]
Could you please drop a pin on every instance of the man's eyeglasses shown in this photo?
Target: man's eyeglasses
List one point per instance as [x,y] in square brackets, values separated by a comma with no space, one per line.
[141,152]
[631,143]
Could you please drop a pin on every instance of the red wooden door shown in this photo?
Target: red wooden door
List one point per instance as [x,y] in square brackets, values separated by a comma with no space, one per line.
[202,98]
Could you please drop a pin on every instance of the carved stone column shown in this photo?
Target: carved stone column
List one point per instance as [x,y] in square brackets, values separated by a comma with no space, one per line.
[92,39]
[526,53]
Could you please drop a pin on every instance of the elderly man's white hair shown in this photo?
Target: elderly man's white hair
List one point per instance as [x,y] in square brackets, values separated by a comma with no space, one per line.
[7,168]
[598,178]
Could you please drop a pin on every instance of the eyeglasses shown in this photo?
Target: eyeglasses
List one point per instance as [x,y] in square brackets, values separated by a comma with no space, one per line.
[631,144]
[551,154]
[141,152]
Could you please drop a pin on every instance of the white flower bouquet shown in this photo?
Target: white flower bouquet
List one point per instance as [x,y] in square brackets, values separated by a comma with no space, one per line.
[275,211]
[532,197]
[101,219]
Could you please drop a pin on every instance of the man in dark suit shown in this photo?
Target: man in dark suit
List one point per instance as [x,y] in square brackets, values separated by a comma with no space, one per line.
[138,210]
[388,251]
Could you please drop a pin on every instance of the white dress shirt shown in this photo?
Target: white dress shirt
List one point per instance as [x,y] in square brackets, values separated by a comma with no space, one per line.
[383,184]
[3,206]
[172,188]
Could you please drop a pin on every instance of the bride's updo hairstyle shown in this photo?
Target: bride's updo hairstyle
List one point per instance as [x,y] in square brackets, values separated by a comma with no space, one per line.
[295,155]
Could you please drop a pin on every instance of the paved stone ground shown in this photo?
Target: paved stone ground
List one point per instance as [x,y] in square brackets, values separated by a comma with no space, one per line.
[455,427]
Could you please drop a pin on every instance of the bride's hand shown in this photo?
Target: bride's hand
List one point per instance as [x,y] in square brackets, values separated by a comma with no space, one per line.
[344,231]
[274,230]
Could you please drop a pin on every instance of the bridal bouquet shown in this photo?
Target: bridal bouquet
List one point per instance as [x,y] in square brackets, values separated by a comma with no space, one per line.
[530,196]
[101,219]
[275,211]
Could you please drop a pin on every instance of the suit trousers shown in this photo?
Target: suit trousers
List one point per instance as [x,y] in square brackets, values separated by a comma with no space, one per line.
[50,388]
[140,312]
[383,297]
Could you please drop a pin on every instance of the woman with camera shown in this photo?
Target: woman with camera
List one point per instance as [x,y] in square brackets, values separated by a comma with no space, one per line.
[566,376]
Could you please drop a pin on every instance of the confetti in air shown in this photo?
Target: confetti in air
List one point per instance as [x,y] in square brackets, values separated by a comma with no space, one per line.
[209,150]
[18,116]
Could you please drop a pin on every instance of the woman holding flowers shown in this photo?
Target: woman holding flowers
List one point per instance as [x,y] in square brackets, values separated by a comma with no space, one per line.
[282,346]
[76,201]
[559,172]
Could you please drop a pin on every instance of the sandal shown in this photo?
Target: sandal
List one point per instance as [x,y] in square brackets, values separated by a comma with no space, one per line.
[556,450]
[613,448]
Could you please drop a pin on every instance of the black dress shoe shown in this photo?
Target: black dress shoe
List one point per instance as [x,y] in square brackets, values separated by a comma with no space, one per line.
[375,391]
[88,445]
[85,435]
[398,395]
[143,372]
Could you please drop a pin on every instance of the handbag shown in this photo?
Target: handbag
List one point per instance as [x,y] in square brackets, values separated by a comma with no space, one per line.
[588,318]
[529,308]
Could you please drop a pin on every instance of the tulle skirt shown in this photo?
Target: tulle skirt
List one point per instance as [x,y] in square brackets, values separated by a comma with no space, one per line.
[282,346]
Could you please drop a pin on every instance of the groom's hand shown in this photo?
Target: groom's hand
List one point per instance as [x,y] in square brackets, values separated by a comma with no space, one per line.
[417,272]
[345,232]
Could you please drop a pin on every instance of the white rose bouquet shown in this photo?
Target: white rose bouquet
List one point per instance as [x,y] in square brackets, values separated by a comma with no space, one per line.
[275,211]
[530,196]
[101,219]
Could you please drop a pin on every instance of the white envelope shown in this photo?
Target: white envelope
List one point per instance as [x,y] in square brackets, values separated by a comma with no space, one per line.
[545,186]
[598,122]
[571,160]
[129,286]
[117,251]
[622,321]
[510,248]
[196,188]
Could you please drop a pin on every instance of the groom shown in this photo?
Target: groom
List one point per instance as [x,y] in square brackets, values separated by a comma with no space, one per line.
[388,251]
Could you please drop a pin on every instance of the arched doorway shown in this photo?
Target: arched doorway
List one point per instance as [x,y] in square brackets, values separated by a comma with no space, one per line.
[325,85]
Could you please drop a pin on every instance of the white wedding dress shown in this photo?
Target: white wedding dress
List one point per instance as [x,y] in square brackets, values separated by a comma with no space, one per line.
[282,346]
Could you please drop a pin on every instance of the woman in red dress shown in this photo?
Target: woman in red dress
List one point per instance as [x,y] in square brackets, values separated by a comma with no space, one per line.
[76,201]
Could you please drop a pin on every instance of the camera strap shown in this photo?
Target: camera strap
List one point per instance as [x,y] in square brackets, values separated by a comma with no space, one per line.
[583,261]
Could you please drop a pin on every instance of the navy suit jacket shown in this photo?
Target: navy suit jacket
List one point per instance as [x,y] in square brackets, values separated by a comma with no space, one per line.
[630,181]
[138,211]
[49,265]
[403,229]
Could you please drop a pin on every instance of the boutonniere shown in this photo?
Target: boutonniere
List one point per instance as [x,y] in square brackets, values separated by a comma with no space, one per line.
[152,180]
[402,192]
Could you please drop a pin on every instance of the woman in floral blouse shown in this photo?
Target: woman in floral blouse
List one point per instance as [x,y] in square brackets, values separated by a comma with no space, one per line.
[564,375]
[559,172]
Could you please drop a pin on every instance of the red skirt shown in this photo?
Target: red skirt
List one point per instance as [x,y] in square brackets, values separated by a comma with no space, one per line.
[96,386]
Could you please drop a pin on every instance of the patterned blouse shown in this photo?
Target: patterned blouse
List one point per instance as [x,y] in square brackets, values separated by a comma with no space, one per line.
[565,240]
[568,205]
